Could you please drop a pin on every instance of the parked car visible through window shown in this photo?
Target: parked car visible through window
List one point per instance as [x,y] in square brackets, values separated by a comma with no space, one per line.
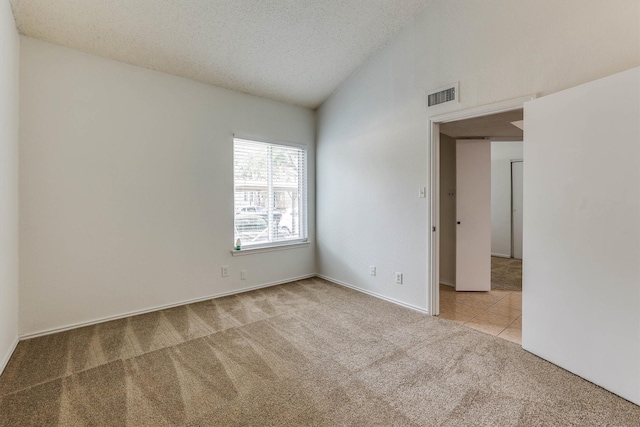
[259,210]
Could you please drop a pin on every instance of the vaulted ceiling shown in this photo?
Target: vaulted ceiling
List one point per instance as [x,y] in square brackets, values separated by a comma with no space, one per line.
[296,51]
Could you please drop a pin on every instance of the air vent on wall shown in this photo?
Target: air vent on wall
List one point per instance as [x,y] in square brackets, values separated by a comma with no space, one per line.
[442,95]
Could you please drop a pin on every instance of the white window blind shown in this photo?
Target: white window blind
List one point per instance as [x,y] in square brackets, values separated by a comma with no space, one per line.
[270,193]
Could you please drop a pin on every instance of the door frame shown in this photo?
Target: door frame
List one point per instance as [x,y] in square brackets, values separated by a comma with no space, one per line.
[433,150]
[512,251]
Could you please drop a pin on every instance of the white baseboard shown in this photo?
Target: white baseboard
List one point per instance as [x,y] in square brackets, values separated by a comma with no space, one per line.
[382,297]
[205,298]
[6,357]
[452,285]
[501,255]
[160,307]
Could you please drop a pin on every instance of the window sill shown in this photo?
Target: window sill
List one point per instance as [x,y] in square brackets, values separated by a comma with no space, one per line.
[251,251]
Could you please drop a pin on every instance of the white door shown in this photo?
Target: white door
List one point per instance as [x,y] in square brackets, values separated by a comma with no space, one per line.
[581,276]
[473,215]
[516,209]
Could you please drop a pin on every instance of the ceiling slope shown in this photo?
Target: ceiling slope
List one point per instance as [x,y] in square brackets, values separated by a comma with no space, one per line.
[295,51]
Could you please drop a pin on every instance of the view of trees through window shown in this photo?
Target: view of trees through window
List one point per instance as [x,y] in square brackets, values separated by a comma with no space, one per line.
[270,192]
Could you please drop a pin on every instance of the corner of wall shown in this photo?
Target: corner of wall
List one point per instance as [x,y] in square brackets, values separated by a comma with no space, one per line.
[7,356]
[9,121]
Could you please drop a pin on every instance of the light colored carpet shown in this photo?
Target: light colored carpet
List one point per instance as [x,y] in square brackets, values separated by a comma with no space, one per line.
[506,274]
[309,353]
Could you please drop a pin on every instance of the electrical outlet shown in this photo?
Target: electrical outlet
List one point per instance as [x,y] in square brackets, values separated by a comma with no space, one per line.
[224,271]
[243,274]
[398,278]
[451,193]
[372,270]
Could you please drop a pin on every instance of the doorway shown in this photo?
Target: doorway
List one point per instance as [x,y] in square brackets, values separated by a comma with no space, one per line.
[506,215]
[472,308]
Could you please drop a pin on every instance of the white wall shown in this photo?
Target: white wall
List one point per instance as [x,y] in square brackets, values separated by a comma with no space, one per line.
[126,188]
[447,210]
[581,282]
[502,152]
[372,132]
[9,63]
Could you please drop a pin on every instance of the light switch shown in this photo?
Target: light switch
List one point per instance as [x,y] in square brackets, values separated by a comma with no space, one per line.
[422,192]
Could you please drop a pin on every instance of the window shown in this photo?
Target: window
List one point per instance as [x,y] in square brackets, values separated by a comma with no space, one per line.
[270,193]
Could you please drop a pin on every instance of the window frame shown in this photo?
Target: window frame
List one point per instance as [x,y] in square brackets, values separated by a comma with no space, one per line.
[303,190]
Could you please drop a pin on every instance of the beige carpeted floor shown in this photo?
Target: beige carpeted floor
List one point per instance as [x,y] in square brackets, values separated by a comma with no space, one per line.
[506,274]
[302,354]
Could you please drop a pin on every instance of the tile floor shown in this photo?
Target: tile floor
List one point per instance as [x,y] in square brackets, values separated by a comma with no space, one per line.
[497,312]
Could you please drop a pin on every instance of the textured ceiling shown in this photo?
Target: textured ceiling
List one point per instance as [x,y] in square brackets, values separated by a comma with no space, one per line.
[296,51]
